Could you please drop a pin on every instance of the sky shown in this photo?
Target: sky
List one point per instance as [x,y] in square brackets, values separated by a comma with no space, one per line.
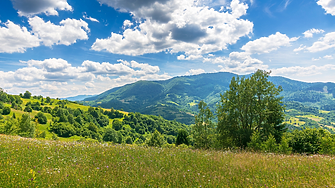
[63,48]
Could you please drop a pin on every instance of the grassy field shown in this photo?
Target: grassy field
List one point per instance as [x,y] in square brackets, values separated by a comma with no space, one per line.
[44,163]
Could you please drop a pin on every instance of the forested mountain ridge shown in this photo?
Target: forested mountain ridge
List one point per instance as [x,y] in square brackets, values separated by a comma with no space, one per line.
[177,98]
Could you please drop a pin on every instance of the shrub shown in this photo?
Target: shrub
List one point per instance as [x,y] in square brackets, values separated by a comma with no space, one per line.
[182,137]
[6,110]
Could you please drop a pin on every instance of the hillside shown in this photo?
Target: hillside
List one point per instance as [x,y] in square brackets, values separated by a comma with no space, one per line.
[177,98]
[65,120]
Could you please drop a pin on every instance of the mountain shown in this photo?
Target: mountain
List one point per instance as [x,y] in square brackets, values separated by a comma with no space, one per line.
[177,98]
[78,97]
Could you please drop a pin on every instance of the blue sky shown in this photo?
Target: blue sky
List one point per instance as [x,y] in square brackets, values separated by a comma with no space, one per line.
[62,48]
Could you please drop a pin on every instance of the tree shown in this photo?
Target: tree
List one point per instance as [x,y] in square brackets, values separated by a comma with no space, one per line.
[26,127]
[182,137]
[28,109]
[26,95]
[6,110]
[156,140]
[203,129]
[110,135]
[48,100]
[117,125]
[249,105]
[41,118]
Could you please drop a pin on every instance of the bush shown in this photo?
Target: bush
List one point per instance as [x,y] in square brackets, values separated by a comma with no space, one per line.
[129,140]
[256,143]
[110,135]
[41,118]
[6,110]
[270,145]
[63,129]
[156,140]
[182,137]
[284,146]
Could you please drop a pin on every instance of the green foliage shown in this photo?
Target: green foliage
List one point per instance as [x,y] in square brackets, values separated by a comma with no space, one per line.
[255,143]
[156,140]
[27,95]
[203,130]
[6,110]
[10,127]
[251,104]
[41,118]
[284,146]
[28,109]
[110,135]
[182,137]
[26,127]
[307,140]
[63,129]
[327,145]
[270,144]
[117,124]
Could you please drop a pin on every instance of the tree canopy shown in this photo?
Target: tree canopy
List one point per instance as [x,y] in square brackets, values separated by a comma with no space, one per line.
[250,104]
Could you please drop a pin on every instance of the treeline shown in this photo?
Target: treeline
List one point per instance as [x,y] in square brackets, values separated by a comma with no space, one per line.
[250,116]
[95,123]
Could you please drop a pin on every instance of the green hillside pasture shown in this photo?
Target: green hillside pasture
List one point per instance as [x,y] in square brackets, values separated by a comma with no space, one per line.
[324,111]
[312,117]
[41,163]
[294,121]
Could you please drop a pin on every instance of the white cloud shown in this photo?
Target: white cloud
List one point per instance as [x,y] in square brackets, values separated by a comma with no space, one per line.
[302,71]
[56,77]
[301,47]
[195,71]
[14,38]
[33,7]
[324,43]
[328,5]
[90,18]
[328,57]
[175,26]
[127,24]
[237,62]
[268,44]
[67,33]
[309,33]
[316,59]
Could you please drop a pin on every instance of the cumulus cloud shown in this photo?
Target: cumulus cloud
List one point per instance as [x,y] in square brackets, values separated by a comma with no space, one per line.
[324,43]
[55,77]
[175,26]
[302,71]
[237,62]
[67,33]
[195,71]
[14,38]
[33,7]
[328,5]
[268,44]
[309,33]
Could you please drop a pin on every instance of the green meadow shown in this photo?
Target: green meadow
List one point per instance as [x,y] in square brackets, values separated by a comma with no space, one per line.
[26,162]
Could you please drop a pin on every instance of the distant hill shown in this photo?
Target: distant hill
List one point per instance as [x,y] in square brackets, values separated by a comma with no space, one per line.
[78,97]
[177,98]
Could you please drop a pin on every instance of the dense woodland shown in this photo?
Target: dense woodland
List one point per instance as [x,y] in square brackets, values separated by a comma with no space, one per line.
[251,115]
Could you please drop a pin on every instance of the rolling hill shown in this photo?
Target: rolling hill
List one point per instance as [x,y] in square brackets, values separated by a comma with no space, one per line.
[177,98]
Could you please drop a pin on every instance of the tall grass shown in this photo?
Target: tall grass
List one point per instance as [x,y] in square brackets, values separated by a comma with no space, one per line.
[42,163]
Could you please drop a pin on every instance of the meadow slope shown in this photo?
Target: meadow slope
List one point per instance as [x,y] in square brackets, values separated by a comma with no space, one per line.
[28,162]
